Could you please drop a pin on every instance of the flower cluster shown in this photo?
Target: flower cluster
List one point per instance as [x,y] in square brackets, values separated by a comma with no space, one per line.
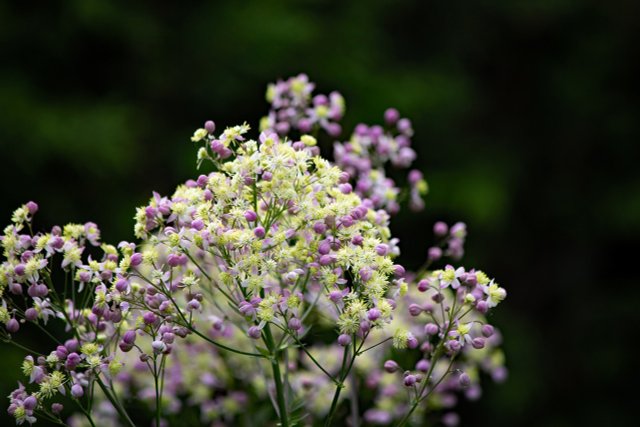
[369,150]
[272,278]
[294,109]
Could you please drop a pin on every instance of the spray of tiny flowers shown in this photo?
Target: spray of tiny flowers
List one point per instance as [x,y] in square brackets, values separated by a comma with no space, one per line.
[268,282]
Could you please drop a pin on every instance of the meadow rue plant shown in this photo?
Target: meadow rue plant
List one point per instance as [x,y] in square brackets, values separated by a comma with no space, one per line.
[268,282]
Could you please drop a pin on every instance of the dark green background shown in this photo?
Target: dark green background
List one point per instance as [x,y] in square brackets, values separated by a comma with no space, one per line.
[526,120]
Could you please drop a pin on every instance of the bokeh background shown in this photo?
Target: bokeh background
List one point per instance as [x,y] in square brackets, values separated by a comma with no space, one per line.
[526,120]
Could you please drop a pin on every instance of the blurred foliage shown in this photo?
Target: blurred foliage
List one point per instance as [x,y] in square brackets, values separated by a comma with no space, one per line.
[526,125]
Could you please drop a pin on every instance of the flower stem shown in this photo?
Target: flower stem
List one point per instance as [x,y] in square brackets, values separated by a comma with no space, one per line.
[275,367]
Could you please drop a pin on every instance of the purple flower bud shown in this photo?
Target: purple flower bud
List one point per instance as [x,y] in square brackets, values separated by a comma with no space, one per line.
[464,380]
[410,380]
[30,403]
[333,129]
[254,332]
[423,365]
[345,188]
[72,344]
[202,181]
[124,347]
[391,366]
[431,329]
[31,314]
[56,408]
[382,249]
[451,419]
[149,318]
[373,314]
[197,224]
[440,229]
[471,279]
[335,296]
[324,248]
[77,391]
[294,324]
[412,341]
[487,330]
[246,308]
[434,253]
[19,269]
[129,337]
[159,346]
[437,298]
[210,126]
[404,125]
[193,304]
[415,310]
[344,340]
[319,227]
[423,285]
[357,240]
[453,345]
[259,232]
[136,259]
[477,343]
[122,285]
[327,260]
[391,116]
[250,216]
[32,207]
[61,352]
[482,306]
[415,176]
[398,270]
[13,326]
[305,125]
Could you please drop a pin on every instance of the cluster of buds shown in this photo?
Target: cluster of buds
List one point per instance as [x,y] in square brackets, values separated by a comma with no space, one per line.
[271,279]
[367,153]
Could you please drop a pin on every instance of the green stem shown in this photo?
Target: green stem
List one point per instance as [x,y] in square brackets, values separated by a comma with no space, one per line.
[123,414]
[275,367]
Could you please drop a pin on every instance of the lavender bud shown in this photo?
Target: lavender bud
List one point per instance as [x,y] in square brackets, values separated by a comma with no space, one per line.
[478,343]
[391,366]
[440,229]
[373,314]
[410,380]
[398,270]
[136,259]
[149,318]
[259,232]
[254,332]
[30,403]
[423,365]
[129,337]
[482,306]
[294,324]
[415,310]
[56,408]
[250,216]
[77,391]
[12,325]
[434,253]
[487,330]
[464,380]
[423,285]
[31,314]
[210,126]
[391,116]
[344,340]
[431,329]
